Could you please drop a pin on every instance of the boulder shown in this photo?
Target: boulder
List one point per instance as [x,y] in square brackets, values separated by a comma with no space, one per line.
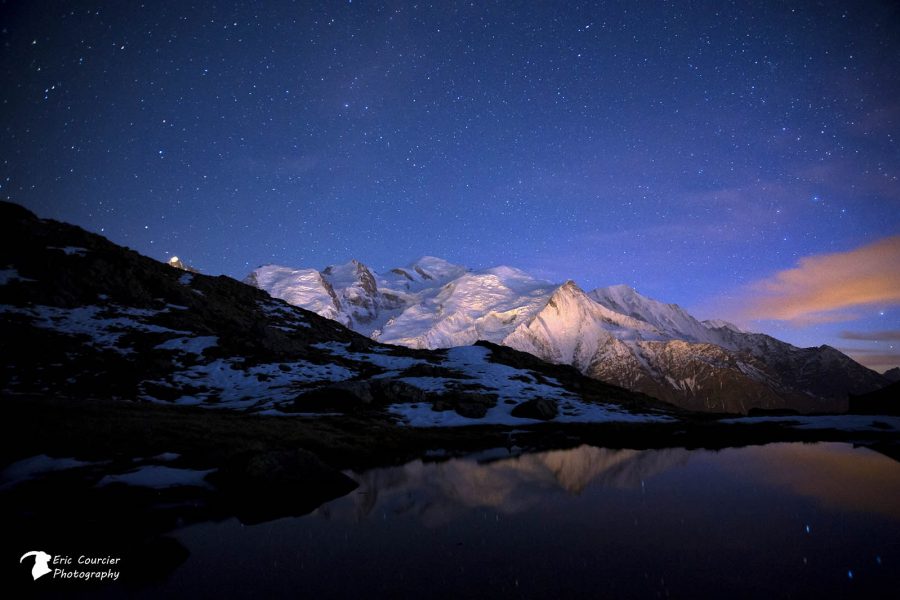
[345,395]
[391,391]
[537,408]
[467,404]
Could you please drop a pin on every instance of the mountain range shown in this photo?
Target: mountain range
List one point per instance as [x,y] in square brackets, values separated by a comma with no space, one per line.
[82,318]
[430,343]
[613,334]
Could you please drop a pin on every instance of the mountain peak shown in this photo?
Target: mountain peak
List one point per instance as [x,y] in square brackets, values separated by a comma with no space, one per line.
[567,293]
[571,286]
[347,273]
[351,265]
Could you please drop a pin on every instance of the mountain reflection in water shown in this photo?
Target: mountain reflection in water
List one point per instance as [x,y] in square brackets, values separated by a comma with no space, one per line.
[835,474]
[436,491]
[781,520]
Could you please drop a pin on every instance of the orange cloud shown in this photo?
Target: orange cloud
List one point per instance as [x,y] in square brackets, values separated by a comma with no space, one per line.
[825,287]
[874,358]
[872,336]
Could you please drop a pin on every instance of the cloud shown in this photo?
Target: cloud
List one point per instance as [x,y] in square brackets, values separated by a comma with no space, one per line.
[872,336]
[826,287]
[874,358]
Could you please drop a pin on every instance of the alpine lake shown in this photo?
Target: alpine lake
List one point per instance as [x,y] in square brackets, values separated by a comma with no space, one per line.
[790,518]
[780,520]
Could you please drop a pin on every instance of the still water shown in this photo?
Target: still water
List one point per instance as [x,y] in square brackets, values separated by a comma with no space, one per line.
[782,520]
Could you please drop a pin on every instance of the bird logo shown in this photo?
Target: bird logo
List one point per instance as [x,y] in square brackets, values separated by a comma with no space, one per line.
[41,559]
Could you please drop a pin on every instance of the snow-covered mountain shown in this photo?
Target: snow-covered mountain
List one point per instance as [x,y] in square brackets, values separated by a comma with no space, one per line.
[614,334]
[429,303]
[82,318]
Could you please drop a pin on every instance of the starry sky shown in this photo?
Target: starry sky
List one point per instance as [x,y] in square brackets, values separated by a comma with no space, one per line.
[721,155]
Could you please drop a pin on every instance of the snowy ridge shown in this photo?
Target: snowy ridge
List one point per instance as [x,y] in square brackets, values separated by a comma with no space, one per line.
[669,319]
[721,323]
[613,333]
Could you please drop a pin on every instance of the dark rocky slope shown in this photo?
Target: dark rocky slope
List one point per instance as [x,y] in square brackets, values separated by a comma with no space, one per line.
[83,317]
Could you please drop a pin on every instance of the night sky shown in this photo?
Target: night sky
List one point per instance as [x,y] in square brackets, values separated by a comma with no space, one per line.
[740,159]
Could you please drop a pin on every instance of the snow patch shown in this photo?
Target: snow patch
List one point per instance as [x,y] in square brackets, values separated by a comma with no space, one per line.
[167,456]
[105,332]
[507,383]
[10,275]
[421,415]
[230,385]
[70,250]
[159,477]
[290,316]
[839,422]
[394,364]
[192,345]
[36,466]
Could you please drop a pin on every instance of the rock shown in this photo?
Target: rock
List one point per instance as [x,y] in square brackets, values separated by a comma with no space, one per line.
[390,391]
[359,344]
[471,409]
[345,395]
[429,370]
[467,404]
[341,396]
[538,408]
[276,483]
[358,391]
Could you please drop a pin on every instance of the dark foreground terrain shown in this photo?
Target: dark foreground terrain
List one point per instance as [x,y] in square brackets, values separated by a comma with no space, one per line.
[259,468]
